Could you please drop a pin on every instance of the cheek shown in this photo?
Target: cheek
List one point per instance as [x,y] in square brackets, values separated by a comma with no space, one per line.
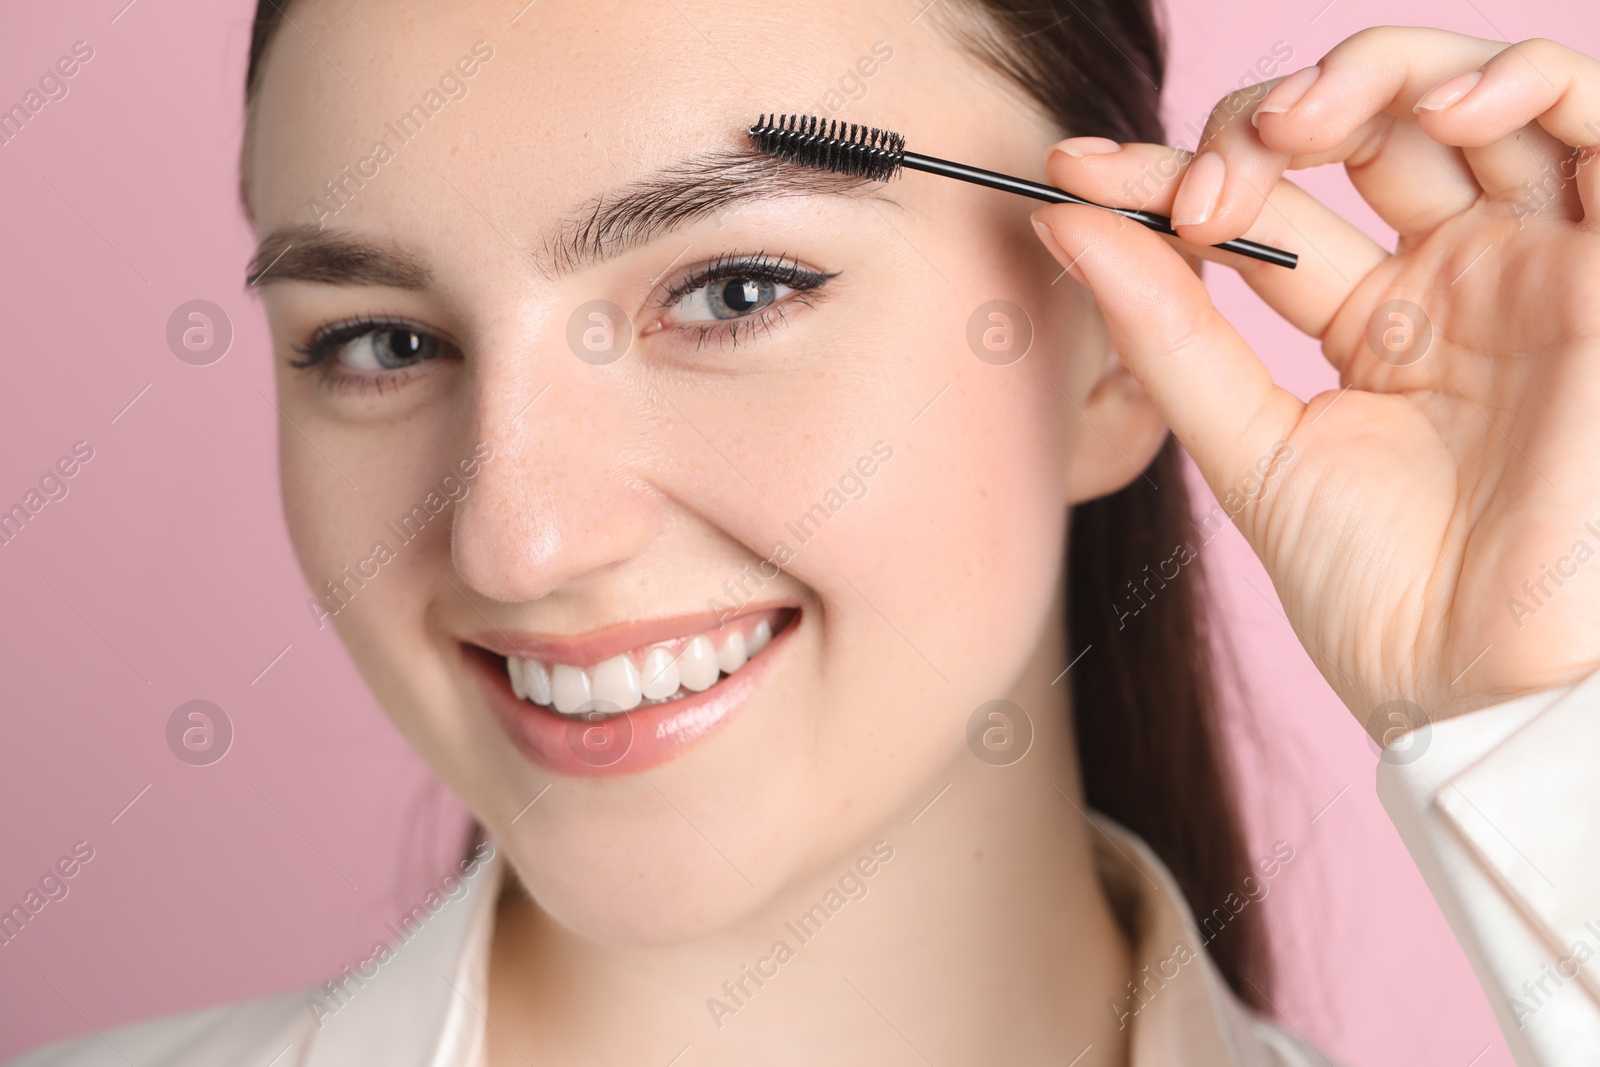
[935,584]
[320,518]
[957,545]
[357,508]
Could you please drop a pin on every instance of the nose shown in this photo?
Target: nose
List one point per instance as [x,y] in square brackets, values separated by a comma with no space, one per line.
[559,499]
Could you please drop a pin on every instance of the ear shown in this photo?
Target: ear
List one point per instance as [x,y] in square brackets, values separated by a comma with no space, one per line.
[1118,432]
[1118,429]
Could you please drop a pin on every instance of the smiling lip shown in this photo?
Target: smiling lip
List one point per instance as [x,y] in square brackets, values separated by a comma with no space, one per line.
[621,744]
[581,650]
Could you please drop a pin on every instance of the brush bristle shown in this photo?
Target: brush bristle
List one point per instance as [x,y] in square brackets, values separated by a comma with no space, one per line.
[828,144]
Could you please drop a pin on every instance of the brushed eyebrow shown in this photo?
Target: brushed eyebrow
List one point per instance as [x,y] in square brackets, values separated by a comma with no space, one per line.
[684,191]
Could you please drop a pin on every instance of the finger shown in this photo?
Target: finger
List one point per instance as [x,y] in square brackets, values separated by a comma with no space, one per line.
[1358,109]
[1334,254]
[1504,154]
[1378,71]
[1489,112]
[1412,181]
[1209,386]
[1504,167]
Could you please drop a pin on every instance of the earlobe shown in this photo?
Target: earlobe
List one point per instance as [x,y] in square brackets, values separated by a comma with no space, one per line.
[1117,433]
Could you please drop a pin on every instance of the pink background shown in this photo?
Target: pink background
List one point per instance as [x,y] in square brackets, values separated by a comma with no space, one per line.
[165,576]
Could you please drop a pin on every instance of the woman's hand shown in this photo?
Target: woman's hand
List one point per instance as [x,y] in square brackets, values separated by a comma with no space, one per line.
[1433,527]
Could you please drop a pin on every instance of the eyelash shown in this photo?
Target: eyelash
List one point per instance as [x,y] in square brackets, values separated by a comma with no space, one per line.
[777,270]
[333,336]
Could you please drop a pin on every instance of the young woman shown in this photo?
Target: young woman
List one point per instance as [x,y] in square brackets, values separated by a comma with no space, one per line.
[752,574]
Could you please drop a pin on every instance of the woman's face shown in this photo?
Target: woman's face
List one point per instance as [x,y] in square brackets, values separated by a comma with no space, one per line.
[576,392]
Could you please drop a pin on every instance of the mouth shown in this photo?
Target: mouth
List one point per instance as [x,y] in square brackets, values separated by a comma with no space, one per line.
[628,697]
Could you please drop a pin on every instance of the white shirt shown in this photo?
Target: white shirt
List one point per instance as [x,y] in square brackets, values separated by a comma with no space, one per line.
[1500,808]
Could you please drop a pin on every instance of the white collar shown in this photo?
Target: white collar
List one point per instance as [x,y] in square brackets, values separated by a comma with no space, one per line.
[427,1005]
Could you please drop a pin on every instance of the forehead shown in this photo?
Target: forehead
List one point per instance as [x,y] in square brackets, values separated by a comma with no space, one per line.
[530,109]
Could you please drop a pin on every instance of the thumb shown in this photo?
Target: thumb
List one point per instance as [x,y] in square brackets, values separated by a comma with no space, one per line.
[1213,391]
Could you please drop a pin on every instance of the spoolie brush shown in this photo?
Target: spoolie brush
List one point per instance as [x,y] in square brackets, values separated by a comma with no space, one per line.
[878,155]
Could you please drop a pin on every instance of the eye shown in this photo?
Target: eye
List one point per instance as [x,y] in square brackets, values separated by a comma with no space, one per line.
[734,296]
[370,346]
[730,298]
[387,350]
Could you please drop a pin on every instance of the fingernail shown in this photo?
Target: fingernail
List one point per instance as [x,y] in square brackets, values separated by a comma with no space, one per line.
[1448,92]
[1048,237]
[1078,147]
[1286,94]
[1201,189]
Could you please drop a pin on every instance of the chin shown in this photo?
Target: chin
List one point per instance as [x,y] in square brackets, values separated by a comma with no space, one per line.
[638,898]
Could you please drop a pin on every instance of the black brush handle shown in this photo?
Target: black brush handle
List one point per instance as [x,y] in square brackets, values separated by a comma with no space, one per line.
[1158,223]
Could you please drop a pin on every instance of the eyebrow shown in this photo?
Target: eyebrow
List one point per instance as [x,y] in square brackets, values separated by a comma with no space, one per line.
[307,253]
[686,190]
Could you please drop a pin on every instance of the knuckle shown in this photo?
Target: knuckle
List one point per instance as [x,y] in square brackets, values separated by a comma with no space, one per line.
[1235,105]
[1360,46]
[1371,37]
[1187,336]
[1539,51]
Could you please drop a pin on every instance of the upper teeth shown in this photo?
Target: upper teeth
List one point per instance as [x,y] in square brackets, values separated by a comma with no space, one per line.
[623,683]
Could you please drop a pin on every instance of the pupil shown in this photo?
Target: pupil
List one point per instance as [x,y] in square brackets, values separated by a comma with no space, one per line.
[741,294]
[397,348]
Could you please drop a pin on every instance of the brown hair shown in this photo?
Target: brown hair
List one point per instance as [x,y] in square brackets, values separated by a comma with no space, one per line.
[1145,701]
